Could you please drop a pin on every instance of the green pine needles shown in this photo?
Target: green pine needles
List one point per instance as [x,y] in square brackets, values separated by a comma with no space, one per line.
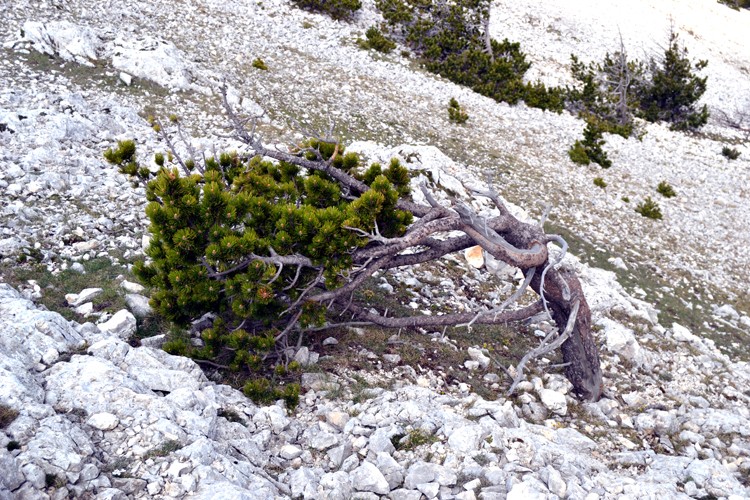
[675,90]
[245,238]
[456,113]
[123,156]
[590,148]
[649,209]
[666,190]
[376,40]
[617,89]
[337,9]
[450,39]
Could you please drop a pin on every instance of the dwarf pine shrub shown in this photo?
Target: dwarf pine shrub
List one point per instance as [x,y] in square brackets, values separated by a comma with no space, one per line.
[577,154]
[123,156]
[649,208]
[376,40]
[674,89]
[337,9]
[730,153]
[615,90]
[605,94]
[213,234]
[666,190]
[449,38]
[599,182]
[590,148]
[258,63]
[456,113]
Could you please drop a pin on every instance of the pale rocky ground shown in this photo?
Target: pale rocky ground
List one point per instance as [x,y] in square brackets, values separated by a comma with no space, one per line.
[101,419]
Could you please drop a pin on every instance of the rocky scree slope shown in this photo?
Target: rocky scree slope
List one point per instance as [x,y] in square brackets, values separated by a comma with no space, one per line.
[96,417]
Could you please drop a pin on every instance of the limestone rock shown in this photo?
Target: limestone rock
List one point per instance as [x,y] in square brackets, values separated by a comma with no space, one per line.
[138,305]
[367,477]
[122,324]
[103,421]
[554,401]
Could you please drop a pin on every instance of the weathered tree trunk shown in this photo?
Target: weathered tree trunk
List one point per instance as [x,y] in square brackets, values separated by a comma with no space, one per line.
[579,351]
[561,290]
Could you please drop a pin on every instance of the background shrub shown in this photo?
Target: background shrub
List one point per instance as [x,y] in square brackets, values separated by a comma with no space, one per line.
[590,148]
[730,153]
[377,41]
[666,190]
[649,208]
[337,9]
[450,40]
[456,113]
[673,90]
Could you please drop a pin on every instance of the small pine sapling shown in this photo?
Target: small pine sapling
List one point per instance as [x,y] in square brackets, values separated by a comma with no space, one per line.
[730,153]
[258,63]
[674,89]
[598,181]
[456,113]
[649,208]
[376,40]
[590,148]
[666,190]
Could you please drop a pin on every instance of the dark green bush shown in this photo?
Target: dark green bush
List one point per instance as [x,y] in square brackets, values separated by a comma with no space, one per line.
[666,190]
[598,181]
[736,4]
[674,90]
[649,208]
[590,148]
[376,40]
[258,63]
[613,91]
[730,153]
[456,113]
[577,154]
[214,233]
[337,9]
[124,158]
[606,92]
[448,37]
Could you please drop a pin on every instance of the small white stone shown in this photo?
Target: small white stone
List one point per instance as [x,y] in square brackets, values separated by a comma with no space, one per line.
[131,287]
[103,421]
[393,359]
[85,309]
[126,78]
[471,365]
[289,452]
[367,477]
[122,324]
[76,299]
[477,355]
[682,334]
[554,401]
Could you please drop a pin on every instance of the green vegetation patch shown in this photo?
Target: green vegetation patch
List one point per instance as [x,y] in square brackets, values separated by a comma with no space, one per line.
[649,208]
[99,272]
